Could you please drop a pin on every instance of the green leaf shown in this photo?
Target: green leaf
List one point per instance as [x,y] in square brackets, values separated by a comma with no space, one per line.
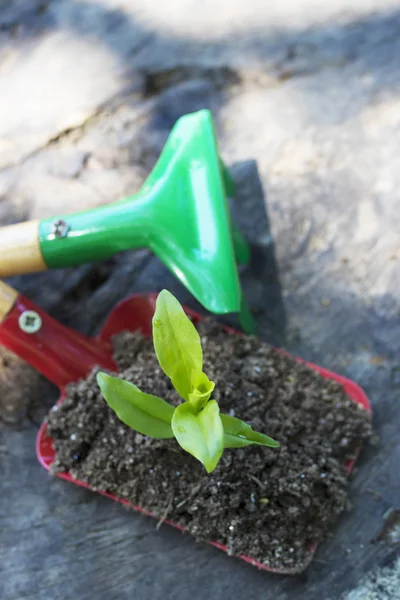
[176,342]
[145,413]
[202,390]
[238,434]
[201,434]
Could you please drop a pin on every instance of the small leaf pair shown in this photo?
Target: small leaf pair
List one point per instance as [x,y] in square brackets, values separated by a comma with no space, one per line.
[197,424]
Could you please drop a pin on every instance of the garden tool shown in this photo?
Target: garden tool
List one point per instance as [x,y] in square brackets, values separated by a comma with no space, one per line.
[64,355]
[180,213]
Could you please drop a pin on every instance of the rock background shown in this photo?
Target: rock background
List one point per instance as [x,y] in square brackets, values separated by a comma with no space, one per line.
[306,99]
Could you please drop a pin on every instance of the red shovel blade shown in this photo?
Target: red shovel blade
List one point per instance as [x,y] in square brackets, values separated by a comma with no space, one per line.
[64,356]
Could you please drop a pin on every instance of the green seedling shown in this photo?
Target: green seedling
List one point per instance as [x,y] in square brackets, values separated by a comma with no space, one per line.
[196,423]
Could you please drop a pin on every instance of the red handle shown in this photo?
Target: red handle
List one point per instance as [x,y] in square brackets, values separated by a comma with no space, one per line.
[61,354]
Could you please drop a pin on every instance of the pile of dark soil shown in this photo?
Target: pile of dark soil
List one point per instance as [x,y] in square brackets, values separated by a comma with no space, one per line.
[269,504]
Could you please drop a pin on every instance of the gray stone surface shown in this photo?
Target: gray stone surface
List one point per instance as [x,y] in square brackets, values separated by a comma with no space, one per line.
[382,584]
[306,101]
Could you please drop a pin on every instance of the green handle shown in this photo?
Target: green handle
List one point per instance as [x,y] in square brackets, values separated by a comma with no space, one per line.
[95,234]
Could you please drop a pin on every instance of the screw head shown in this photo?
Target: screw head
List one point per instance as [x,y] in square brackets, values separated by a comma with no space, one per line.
[30,321]
[59,228]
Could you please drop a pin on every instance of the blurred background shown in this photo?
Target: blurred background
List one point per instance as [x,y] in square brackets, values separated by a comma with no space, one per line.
[306,100]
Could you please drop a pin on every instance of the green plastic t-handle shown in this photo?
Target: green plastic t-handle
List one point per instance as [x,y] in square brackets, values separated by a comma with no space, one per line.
[180,213]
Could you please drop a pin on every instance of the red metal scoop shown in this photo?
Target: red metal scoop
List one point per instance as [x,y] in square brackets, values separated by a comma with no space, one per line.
[64,355]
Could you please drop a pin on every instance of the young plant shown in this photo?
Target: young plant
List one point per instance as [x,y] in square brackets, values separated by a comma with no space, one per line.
[196,423]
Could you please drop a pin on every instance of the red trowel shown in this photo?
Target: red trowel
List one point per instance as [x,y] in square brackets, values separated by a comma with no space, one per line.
[64,355]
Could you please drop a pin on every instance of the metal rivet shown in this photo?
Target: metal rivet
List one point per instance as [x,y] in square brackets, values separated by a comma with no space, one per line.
[30,321]
[59,228]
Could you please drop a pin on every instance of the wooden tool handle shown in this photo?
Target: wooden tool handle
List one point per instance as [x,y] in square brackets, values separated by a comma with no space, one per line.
[20,250]
[8,297]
